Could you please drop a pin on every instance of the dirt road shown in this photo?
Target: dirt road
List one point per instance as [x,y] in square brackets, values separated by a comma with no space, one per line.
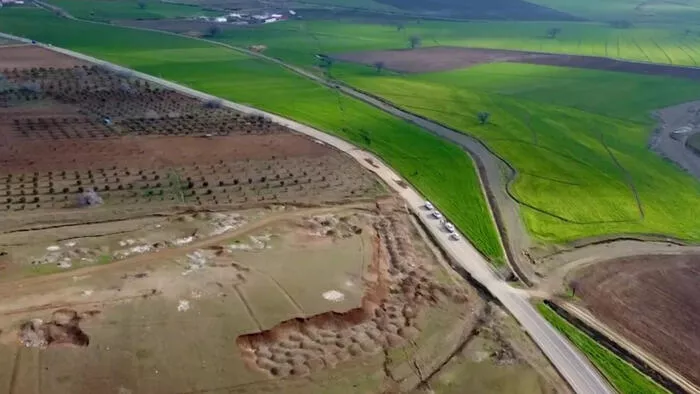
[582,377]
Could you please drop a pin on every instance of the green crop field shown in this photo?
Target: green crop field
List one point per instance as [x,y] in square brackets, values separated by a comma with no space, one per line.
[108,10]
[685,11]
[440,170]
[298,41]
[578,144]
[623,376]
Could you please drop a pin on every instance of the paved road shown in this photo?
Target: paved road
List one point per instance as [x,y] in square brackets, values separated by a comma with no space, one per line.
[582,377]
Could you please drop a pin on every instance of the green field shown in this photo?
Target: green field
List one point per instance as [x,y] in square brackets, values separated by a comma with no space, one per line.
[109,10]
[578,143]
[623,376]
[298,41]
[440,170]
[687,11]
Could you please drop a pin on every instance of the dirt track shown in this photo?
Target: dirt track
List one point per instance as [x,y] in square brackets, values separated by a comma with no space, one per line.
[22,56]
[432,59]
[653,301]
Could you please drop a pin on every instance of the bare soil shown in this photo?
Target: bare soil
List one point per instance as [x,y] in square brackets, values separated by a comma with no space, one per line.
[651,300]
[481,9]
[431,59]
[181,26]
[27,56]
[66,130]
[135,310]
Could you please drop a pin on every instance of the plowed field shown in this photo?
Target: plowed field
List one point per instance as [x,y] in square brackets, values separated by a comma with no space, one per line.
[651,300]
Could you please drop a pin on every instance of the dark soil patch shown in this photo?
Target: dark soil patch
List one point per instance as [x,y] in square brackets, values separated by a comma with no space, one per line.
[653,301]
[183,26]
[32,56]
[481,9]
[63,328]
[431,59]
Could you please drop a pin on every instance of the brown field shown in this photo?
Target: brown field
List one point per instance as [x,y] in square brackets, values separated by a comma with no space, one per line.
[431,59]
[26,56]
[159,147]
[338,299]
[651,300]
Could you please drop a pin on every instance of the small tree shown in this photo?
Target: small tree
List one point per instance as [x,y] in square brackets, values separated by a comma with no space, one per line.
[326,63]
[379,66]
[483,117]
[214,31]
[553,32]
[414,42]
[142,4]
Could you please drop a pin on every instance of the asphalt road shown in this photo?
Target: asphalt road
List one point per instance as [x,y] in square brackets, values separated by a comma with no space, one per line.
[575,369]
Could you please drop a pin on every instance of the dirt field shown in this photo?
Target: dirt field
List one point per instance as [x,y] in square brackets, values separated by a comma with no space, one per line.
[349,296]
[181,26]
[64,131]
[27,56]
[430,59]
[652,301]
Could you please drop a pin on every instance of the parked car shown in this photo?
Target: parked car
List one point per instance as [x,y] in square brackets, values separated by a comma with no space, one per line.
[455,237]
[429,206]
[450,227]
[437,215]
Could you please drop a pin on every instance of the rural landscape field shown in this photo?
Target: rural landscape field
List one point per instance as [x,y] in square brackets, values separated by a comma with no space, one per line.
[255,175]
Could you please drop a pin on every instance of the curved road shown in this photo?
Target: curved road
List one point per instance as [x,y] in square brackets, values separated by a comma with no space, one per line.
[575,369]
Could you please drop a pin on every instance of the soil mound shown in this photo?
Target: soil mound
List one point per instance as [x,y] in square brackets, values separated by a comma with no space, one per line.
[63,328]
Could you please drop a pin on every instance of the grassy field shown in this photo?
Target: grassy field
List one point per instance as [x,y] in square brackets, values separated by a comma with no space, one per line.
[625,378]
[686,11]
[578,143]
[298,41]
[108,10]
[440,170]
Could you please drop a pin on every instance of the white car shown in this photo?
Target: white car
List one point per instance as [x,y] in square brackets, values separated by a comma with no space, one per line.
[450,227]
[429,206]
[437,215]
[454,236]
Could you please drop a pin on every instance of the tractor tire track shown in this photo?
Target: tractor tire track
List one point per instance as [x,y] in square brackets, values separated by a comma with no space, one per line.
[670,61]
[15,371]
[628,177]
[641,50]
[692,59]
[282,290]
[248,308]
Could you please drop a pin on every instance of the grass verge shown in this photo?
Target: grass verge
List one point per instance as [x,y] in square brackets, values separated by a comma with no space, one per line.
[625,378]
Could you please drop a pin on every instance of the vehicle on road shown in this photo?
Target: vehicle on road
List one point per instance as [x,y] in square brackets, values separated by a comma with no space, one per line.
[437,215]
[450,227]
[429,206]
[455,237]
